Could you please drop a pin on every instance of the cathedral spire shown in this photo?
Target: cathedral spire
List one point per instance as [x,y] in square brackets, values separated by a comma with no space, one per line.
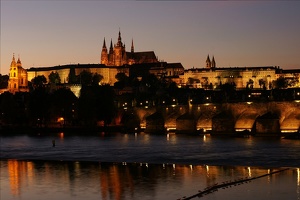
[104,44]
[208,62]
[111,47]
[213,62]
[119,44]
[132,47]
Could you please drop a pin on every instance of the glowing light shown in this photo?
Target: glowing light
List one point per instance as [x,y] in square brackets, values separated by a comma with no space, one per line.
[289,130]
[204,138]
[61,135]
[207,168]
[171,129]
[298,177]
[249,171]
[60,119]
[249,102]
[243,129]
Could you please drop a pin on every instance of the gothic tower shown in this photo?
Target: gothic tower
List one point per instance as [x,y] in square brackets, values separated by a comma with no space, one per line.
[104,55]
[213,63]
[119,52]
[208,62]
[132,47]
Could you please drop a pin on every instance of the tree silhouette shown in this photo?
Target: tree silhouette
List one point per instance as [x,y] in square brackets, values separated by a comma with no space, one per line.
[3,81]
[54,78]
[96,103]
[72,78]
[85,77]
[62,104]
[39,106]
[39,81]
[281,83]
[122,82]
[261,83]
[96,79]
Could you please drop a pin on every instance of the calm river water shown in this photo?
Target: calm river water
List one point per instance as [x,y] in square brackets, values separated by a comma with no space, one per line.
[142,166]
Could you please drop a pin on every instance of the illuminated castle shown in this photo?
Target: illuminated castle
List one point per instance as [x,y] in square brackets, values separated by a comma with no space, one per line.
[116,60]
[17,77]
[117,55]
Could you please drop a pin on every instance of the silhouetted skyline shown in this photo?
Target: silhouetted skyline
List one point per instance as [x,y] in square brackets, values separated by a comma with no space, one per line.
[49,33]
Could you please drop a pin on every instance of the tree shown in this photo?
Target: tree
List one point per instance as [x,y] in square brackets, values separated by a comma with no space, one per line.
[72,78]
[250,84]
[62,104]
[86,77]
[8,108]
[38,106]
[262,83]
[39,81]
[280,83]
[3,81]
[123,80]
[54,78]
[96,103]
[97,78]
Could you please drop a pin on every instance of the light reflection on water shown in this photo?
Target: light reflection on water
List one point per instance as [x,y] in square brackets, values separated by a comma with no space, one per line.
[143,166]
[93,180]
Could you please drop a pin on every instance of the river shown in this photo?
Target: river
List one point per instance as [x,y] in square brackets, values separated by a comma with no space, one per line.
[145,166]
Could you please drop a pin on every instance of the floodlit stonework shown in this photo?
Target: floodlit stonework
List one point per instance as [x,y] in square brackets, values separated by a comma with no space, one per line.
[18,81]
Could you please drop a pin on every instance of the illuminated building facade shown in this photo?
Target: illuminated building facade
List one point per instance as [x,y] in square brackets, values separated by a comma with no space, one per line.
[117,55]
[211,77]
[18,81]
[115,61]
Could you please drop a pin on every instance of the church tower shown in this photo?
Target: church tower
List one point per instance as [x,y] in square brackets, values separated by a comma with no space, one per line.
[208,62]
[104,55]
[213,63]
[17,77]
[132,47]
[119,52]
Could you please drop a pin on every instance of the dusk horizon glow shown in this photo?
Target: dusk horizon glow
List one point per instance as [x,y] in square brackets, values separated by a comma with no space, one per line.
[236,33]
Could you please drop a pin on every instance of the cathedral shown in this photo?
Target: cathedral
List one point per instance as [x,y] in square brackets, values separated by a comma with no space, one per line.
[117,55]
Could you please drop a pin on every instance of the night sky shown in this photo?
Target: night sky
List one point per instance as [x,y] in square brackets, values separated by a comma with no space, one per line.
[236,33]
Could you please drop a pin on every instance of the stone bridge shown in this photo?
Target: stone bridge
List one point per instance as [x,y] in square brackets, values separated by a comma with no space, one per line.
[257,118]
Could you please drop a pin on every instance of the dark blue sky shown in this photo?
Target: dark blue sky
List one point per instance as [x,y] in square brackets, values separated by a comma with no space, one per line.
[237,33]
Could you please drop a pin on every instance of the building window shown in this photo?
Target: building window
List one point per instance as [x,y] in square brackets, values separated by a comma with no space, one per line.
[14,74]
[15,86]
[21,81]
